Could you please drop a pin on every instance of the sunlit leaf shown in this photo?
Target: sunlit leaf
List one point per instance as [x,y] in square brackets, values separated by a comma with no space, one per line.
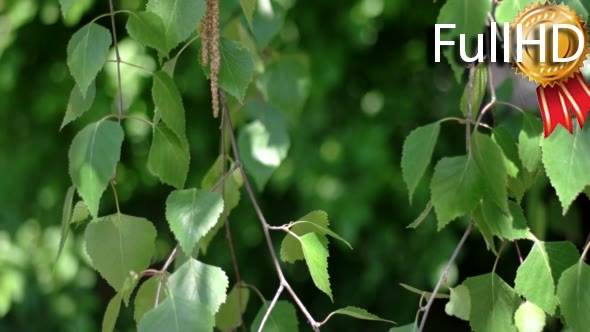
[536,278]
[417,153]
[169,103]
[266,24]
[178,314]
[566,158]
[413,327]
[291,250]
[148,29]
[509,225]
[248,7]
[316,257]
[119,245]
[529,318]
[79,213]
[94,153]
[87,53]
[263,146]
[199,283]
[460,303]
[493,303]
[507,10]
[191,214]
[179,17]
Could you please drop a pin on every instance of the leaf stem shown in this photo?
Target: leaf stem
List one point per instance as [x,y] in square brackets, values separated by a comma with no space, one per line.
[264,224]
[111,13]
[502,246]
[520,259]
[112,182]
[270,307]
[132,65]
[147,122]
[444,275]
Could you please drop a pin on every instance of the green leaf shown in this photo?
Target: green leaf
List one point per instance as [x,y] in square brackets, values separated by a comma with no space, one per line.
[358,313]
[502,137]
[507,10]
[65,6]
[573,291]
[316,257]
[200,283]
[179,17]
[529,318]
[230,313]
[65,219]
[191,214]
[291,250]
[460,176]
[480,81]
[413,327]
[510,226]
[286,84]
[320,230]
[237,68]
[231,199]
[493,303]
[148,29]
[470,17]
[169,103]
[248,7]
[536,278]
[567,160]
[490,160]
[111,314]
[263,146]
[119,245]
[266,24]
[169,157]
[425,294]
[94,153]
[460,303]
[146,297]
[78,104]
[417,153]
[529,142]
[177,314]
[87,52]
[420,219]
[79,213]
[282,318]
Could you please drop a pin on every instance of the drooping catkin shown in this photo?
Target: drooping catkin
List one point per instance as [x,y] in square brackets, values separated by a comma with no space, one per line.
[210,48]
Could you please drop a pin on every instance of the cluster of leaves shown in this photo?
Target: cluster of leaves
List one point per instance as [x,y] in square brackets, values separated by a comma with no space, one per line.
[195,295]
[487,185]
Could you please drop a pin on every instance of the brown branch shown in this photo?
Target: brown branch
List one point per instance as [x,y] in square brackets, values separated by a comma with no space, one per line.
[265,227]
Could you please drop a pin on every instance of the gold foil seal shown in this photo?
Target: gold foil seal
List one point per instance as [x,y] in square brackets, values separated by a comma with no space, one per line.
[548,73]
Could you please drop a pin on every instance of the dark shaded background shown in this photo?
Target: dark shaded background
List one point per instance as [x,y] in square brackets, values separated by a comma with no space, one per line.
[372,84]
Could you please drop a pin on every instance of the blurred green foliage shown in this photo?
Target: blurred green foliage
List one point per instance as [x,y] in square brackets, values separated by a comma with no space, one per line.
[371,84]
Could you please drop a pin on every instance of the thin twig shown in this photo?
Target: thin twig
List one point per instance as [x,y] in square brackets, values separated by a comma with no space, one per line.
[163,273]
[518,252]
[270,307]
[132,65]
[265,226]
[444,275]
[118,56]
[228,236]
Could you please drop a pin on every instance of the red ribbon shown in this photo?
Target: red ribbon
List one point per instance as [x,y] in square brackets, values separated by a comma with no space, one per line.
[556,102]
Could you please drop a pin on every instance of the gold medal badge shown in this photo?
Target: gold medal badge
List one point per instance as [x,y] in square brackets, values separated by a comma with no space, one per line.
[555,67]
